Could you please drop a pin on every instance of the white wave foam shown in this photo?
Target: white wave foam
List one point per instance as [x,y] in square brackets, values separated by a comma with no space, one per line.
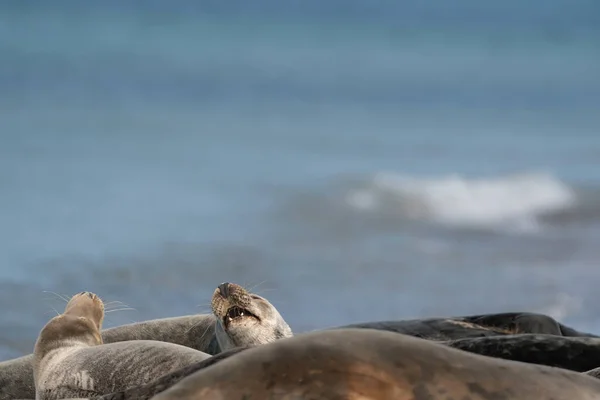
[513,201]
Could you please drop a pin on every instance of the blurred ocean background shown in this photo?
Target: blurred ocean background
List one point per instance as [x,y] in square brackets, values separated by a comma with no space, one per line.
[351,160]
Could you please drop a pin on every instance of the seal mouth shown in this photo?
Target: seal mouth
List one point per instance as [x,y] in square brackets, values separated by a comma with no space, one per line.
[236,313]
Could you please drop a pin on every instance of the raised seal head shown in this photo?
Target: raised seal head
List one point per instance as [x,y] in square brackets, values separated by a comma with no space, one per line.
[79,324]
[244,318]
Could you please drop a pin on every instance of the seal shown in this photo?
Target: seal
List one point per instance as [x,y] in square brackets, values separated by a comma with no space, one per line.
[573,353]
[472,326]
[195,331]
[368,365]
[70,359]
[146,392]
[245,319]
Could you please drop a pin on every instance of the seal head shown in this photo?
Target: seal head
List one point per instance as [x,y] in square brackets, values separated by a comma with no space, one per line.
[245,319]
[79,324]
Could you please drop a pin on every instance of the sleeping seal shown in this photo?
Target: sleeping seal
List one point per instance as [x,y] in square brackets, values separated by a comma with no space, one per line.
[261,324]
[574,353]
[364,364]
[472,326]
[70,360]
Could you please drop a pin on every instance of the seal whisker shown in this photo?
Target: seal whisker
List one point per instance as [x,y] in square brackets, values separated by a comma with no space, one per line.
[206,307]
[205,331]
[115,304]
[54,309]
[120,309]
[195,325]
[250,289]
[64,298]
[265,290]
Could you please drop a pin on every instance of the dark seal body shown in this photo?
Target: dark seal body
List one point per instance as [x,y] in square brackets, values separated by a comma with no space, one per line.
[574,353]
[472,326]
[363,364]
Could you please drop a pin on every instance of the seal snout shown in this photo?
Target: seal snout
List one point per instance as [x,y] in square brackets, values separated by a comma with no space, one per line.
[224,290]
[231,303]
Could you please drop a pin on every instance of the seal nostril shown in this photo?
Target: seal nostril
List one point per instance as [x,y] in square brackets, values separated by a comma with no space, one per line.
[224,289]
[90,295]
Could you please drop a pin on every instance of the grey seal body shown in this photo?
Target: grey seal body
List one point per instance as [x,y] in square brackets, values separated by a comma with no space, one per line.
[368,364]
[193,331]
[16,379]
[146,392]
[85,371]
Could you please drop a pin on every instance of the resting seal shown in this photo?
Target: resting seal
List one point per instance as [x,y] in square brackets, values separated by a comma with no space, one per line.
[574,353]
[70,359]
[195,331]
[368,364]
[245,319]
[145,392]
[473,326]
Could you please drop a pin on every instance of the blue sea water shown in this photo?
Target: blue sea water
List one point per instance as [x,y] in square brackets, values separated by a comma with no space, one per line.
[353,160]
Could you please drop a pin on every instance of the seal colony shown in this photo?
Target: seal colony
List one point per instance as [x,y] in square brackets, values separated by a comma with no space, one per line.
[241,320]
[370,365]
[258,322]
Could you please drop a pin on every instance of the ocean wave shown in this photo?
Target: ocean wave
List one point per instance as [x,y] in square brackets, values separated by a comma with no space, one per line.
[515,202]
